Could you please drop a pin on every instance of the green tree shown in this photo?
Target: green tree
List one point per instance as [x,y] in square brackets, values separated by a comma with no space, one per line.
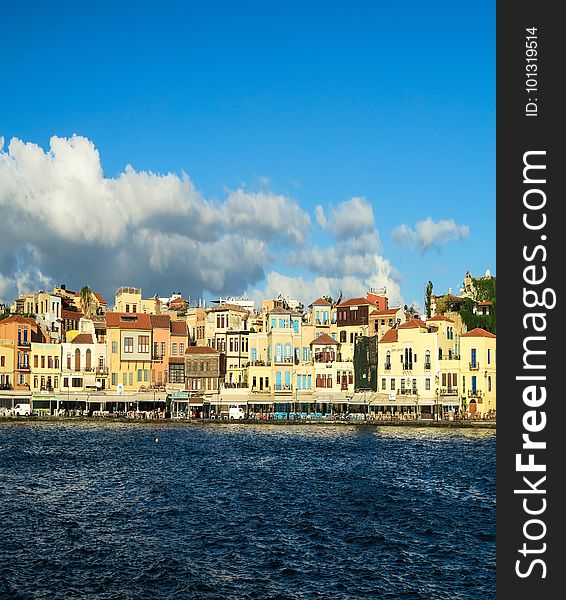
[87,305]
[428,296]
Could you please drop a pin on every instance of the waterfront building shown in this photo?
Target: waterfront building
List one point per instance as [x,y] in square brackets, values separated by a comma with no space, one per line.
[179,344]
[45,367]
[17,334]
[352,321]
[478,357]
[227,330]
[84,364]
[409,371]
[161,342]
[129,350]
[203,376]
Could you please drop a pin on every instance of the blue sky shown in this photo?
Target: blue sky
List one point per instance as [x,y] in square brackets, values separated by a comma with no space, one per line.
[255,147]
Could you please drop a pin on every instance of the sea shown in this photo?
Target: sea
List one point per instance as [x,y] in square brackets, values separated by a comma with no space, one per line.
[164,510]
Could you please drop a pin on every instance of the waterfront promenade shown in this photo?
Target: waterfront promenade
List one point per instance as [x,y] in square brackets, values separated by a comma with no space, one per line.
[152,420]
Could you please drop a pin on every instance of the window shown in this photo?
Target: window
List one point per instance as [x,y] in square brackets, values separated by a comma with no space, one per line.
[489,382]
[128,345]
[77,360]
[181,348]
[65,382]
[49,362]
[131,378]
[88,360]
[162,348]
[427,359]
[2,361]
[155,349]
[139,374]
[393,384]
[427,384]
[383,383]
[114,347]
[114,378]
[388,361]
[143,344]
[76,382]
[56,362]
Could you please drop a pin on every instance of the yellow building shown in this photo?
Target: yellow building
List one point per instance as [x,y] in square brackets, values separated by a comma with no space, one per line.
[45,367]
[410,370]
[129,300]
[129,343]
[478,372]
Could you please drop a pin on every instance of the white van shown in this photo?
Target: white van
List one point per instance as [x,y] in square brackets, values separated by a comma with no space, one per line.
[22,410]
[236,412]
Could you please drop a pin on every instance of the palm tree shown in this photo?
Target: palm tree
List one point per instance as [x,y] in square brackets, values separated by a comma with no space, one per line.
[86,301]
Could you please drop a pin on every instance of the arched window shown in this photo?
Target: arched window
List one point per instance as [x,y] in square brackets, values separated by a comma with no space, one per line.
[388,361]
[88,365]
[77,360]
[427,359]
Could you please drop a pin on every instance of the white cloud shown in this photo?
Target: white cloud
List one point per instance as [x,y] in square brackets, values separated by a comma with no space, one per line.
[64,221]
[428,234]
[139,227]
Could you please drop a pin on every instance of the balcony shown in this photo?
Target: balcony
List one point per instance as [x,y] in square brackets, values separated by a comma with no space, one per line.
[324,357]
[451,391]
[102,371]
[280,360]
[24,344]
[23,367]
[427,366]
[474,366]
[387,367]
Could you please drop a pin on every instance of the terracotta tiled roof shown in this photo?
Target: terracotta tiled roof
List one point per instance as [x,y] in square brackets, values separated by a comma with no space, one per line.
[201,350]
[320,302]
[70,314]
[485,303]
[412,324]
[83,338]
[478,332]
[128,320]
[355,302]
[179,328]
[19,319]
[385,312]
[389,336]
[324,340]
[99,298]
[178,302]
[440,318]
[160,321]
[176,359]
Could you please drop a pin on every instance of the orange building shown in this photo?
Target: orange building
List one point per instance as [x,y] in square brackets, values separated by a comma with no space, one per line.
[17,333]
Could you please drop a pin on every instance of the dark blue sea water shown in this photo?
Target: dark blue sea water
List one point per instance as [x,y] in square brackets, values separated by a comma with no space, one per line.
[230,511]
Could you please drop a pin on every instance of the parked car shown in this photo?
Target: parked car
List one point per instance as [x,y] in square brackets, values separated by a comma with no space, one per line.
[22,410]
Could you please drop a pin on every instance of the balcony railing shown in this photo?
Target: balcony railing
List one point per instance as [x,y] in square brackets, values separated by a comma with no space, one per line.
[474,366]
[427,366]
[23,367]
[278,360]
[102,371]
[387,366]
[24,343]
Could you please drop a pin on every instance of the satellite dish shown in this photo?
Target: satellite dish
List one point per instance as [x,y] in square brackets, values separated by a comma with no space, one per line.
[120,389]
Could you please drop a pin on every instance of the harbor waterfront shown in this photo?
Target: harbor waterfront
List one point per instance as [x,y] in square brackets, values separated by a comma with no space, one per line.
[144,509]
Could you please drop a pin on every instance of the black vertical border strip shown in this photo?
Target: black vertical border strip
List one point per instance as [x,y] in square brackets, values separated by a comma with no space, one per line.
[518,133]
